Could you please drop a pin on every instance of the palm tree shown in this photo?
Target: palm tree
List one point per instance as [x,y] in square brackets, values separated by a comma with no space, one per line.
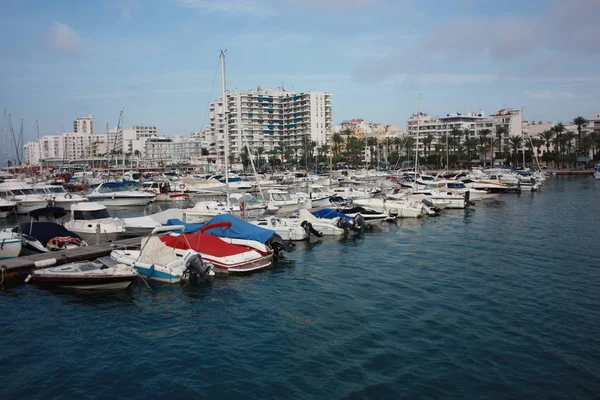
[259,152]
[579,121]
[438,148]
[558,130]
[245,157]
[484,134]
[493,143]
[455,133]
[337,141]
[547,137]
[470,145]
[371,142]
[516,142]
[427,140]
[537,143]
[348,133]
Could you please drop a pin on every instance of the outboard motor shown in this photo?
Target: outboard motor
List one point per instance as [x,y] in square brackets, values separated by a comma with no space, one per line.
[308,228]
[356,224]
[468,201]
[430,204]
[278,244]
[196,269]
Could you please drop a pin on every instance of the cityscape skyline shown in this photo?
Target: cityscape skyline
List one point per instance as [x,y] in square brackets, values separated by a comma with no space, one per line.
[157,60]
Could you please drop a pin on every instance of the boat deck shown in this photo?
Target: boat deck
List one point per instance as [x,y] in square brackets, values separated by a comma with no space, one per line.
[15,270]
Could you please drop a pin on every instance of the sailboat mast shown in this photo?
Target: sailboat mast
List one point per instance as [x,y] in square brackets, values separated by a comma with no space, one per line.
[37,128]
[417,150]
[225,125]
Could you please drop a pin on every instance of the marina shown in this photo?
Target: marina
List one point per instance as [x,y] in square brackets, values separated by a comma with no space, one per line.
[500,296]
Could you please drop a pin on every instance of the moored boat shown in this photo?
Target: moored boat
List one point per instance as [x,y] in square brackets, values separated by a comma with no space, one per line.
[103,273]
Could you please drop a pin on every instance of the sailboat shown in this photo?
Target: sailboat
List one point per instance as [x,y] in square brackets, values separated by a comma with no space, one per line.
[212,208]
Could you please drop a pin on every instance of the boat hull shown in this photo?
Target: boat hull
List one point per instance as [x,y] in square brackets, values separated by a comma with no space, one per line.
[25,207]
[121,202]
[10,248]
[89,282]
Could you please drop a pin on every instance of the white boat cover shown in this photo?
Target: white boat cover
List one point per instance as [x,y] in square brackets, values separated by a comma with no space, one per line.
[141,222]
[154,251]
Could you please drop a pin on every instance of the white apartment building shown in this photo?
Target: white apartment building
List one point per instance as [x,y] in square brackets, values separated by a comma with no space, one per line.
[84,124]
[66,146]
[438,127]
[593,124]
[161,150]
[475,122]
[129,140]
[267,118]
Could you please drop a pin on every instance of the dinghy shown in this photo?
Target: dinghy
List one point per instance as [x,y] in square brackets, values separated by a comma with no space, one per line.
[103,273]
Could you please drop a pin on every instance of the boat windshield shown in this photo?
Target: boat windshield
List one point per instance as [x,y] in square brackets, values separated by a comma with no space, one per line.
[94,214]
[281,196]
[106,189]
[456,185]
[56,189]
[24,192]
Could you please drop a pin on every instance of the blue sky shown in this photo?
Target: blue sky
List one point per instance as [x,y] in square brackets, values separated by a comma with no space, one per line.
[156,59]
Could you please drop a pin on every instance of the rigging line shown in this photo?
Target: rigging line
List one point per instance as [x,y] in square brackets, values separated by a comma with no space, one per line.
[210,94]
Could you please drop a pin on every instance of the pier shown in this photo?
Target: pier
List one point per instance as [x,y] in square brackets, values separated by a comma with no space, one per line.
[15,270]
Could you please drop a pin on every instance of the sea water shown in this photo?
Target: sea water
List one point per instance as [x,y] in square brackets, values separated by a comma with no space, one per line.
[498,301]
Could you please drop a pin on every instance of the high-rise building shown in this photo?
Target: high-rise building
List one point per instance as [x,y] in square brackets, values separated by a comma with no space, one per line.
[268,119]
[84,124]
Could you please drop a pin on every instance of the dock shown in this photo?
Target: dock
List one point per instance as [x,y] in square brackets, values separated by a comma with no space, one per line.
[15,270]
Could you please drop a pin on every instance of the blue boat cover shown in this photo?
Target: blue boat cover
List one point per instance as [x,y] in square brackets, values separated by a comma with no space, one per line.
[329,214]
[113,184]
[44,231]
[240,229]
[189,228]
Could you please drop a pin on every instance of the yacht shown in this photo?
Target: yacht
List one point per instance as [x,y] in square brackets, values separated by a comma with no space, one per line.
[282,202]
[92,222]
[117,194]
[6,207]
[57,196]
[23,194]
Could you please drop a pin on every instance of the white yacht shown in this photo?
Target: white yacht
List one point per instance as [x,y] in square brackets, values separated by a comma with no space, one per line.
[7,207]
[397,208]
[92,222]
[282,202]
[23,194]
[317,195]
[239,205]
[287,228]
[117,194]
[57,196]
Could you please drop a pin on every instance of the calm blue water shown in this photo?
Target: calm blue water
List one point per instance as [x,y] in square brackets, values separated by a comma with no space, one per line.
[501,301]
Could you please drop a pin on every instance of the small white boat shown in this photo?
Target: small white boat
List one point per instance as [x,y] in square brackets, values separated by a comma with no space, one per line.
[325,226]
[102,274]
[23,194]
[7,207]
[287,228]
[159,262]
[140,226]
[10,244]
[240,205]
[397,208]
[92,222]
[117,194]
[282,202]
[57,196]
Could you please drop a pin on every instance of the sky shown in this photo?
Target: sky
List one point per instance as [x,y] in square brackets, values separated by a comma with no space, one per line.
[157,60]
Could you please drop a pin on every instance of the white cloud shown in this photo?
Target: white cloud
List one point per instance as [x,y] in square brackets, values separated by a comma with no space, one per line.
[549,95]
[243,7]
[62,39]
[124,7]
